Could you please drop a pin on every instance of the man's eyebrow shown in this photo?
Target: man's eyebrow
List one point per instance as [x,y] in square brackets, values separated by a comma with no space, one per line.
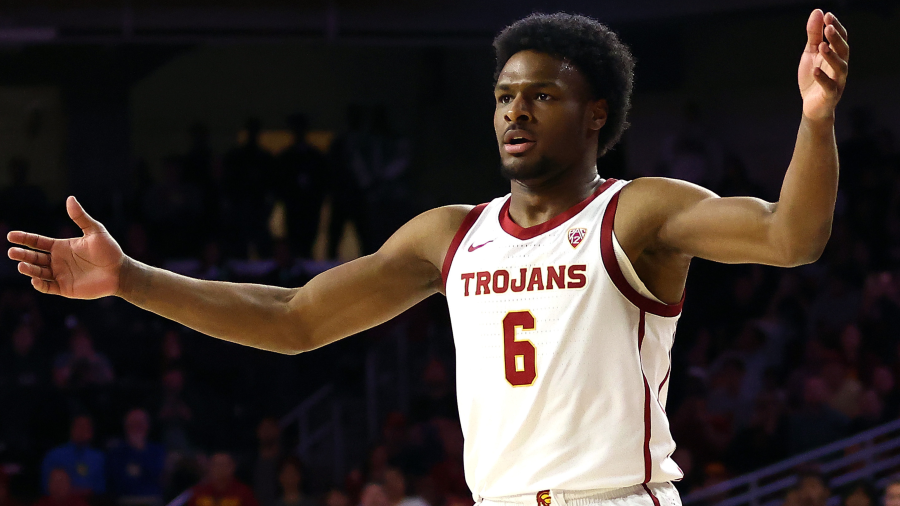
[538,84]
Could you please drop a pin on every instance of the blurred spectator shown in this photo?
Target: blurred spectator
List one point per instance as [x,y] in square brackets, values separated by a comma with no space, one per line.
[221,487]
[60,491]
[175,415]
[763,440]
[350,180]
[438,400]
[23,206]
[23,368]
[248,178]
[883,384]
[265,467]
[173,209]
[858,493]
[83,465]
[135,467]
[81,366]
[373,494]
[396,490]
[5,498]
[336,497]
[301,176]
[815,423]
[290,477]
[809,491]
[844,391]
[892,493]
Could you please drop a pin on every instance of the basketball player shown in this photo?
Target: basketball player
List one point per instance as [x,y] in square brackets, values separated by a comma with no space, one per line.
[564,295]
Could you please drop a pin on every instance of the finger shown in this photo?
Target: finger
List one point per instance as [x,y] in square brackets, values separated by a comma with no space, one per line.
[837,42]
[831,19]
[826,82]
[33,241]
[35,271]
[45,286]
[838,65]
[814,26]
[81,217]
[30,256]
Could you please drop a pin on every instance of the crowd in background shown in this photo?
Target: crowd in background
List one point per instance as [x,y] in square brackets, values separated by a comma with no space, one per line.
[106,404]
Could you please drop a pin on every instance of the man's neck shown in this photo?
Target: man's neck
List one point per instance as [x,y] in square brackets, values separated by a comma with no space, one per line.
[535,202]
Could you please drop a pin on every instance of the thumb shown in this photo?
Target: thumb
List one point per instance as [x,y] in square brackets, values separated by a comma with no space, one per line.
[82,218]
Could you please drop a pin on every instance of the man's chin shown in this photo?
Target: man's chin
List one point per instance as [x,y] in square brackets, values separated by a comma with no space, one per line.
[521,169]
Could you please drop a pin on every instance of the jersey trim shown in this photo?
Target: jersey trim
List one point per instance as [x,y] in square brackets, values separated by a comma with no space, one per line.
[653,497]
[648,462]
[523,233]
[464,228]
[615,272]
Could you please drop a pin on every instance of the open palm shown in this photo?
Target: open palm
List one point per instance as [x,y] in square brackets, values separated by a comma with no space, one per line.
[823,66]
[80,268]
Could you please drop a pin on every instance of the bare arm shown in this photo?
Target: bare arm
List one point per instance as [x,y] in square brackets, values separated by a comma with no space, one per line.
[794,230]
[337,303]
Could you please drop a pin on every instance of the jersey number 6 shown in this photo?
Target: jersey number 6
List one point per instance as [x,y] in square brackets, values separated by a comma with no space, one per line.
[520,372]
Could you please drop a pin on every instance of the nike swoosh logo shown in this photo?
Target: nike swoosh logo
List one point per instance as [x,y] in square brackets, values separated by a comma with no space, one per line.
[473,248]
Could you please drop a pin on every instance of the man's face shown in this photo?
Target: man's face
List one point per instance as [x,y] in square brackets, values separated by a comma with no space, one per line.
[545,118]
[892,495]
[82,430]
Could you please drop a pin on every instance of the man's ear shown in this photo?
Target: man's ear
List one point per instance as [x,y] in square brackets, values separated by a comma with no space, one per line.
[598,110]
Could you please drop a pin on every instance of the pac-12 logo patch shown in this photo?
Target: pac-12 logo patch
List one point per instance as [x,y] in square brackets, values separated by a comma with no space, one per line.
[543,498]
[576,235]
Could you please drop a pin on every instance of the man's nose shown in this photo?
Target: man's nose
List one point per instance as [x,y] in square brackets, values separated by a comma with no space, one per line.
[517,111]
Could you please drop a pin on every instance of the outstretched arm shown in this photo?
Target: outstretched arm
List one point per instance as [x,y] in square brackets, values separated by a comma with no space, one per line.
[340,302]
[794,230]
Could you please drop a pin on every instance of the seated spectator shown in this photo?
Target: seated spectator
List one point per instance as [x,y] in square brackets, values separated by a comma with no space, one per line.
[5,498]
[373,495]
[81,366]
[891,493]
[60,491]
[810,490]
[266,462]
[438,400]
[336,497]
[174,415]
[395,488]
[221,488]
[858,493]
[135,468]
[290,476]
[815,423]
[85,466]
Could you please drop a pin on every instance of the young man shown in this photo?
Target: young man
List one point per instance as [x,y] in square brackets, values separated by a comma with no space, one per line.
[564,295]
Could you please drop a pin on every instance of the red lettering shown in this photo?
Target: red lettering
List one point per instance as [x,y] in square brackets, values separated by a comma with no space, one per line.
[559,276]
[467,277]
[483,281]
[537,279]
[498,288]
[576,274]
[521,285]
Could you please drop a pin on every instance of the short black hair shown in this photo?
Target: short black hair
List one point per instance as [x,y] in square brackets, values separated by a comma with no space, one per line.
[591,47]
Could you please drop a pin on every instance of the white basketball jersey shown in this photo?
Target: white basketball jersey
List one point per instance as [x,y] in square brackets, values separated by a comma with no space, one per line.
[562,366]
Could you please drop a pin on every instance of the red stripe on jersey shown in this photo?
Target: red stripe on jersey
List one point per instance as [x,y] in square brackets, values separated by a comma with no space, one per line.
[647,461]
[665,378]
[615,272]
[513,229]
[464,228]
[655,500]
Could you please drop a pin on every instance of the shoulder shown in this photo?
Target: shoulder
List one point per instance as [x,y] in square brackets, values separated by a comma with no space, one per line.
[653,199]
[430,233]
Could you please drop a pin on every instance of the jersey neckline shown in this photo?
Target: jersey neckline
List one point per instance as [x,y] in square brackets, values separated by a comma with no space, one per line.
[525,233]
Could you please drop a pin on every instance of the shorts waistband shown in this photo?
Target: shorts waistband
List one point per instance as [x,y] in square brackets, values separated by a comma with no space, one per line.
[570,497]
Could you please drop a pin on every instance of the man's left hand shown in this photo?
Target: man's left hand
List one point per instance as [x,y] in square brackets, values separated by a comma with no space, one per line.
[823,66]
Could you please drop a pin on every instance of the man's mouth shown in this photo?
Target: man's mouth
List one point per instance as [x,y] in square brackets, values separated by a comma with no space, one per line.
[516,142]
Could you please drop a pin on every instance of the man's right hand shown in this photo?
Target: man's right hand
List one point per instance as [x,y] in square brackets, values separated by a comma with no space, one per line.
[85,267]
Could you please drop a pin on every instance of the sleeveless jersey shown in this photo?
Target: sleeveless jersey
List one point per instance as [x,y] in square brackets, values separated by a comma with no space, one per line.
[562,365]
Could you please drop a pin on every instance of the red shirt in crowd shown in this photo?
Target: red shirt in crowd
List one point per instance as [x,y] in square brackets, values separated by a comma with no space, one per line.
[71,500]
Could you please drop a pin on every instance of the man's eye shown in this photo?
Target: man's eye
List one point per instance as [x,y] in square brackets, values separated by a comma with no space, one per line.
[543,96]
[504,99]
